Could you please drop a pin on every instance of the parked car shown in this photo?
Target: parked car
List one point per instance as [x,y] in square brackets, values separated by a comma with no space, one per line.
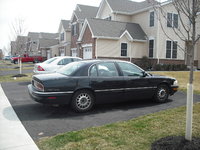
[53,64]
[27,58]
[7,58]
[85,83]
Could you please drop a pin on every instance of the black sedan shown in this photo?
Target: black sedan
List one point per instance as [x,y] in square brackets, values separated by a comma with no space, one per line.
[85,83]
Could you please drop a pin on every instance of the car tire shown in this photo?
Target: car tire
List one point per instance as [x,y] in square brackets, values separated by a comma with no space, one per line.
[15,62]
[162,93]
[82,101]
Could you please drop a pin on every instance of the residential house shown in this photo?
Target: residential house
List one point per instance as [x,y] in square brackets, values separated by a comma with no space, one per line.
[40,43]
[80,13]
[19,46]
[63,48]
[119,32]
[44,46]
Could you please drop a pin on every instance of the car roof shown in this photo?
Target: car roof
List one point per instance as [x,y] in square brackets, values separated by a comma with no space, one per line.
[103,60]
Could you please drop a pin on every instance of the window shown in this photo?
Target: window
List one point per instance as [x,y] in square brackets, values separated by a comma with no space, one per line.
[62,36]
[106,70]
[169,19]
[93,71]
[74,30]
[174,52]
[172,20]
[123,49]
[175,19]
[171,49]
[129,69]
[64,61]
[151,46]
[151,23]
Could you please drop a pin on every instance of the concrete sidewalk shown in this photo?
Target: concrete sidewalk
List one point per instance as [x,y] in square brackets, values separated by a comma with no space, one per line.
[13,135]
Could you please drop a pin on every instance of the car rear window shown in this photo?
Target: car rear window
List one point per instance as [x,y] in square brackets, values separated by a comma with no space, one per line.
[70,68]
[50,60]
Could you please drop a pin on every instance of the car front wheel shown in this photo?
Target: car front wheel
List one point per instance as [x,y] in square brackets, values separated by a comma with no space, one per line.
[162,93]
[82,101]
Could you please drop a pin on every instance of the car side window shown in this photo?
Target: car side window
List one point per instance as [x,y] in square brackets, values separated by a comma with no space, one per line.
[130,69]
[64,61]
[107,69]
[93,71]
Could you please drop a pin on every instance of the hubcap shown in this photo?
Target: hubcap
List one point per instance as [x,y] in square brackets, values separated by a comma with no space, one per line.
[83,101]
[162,93]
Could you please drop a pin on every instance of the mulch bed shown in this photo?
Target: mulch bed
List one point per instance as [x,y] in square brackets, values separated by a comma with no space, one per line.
[176,143]
[20,75]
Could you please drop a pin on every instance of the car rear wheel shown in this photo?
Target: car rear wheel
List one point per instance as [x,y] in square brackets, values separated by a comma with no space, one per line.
[82,101]
[162,93]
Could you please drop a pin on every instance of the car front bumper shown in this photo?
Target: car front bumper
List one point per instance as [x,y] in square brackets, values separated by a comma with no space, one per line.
[49,97]
[173,90]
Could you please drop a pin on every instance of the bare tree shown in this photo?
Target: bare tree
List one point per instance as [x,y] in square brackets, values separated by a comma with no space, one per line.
[18,30]
[186,30]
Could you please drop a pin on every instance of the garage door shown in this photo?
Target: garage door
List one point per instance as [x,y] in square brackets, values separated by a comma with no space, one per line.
[87,52]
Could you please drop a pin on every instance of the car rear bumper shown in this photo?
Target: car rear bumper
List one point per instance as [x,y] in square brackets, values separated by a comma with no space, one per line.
[49,97]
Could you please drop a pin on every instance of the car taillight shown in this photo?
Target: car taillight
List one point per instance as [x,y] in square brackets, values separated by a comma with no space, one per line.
[38,85]
[39,68]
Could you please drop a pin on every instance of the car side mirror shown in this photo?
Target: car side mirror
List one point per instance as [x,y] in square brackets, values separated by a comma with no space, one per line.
[144,74]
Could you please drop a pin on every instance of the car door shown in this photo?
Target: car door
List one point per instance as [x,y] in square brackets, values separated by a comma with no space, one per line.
[106,82]
[138,85]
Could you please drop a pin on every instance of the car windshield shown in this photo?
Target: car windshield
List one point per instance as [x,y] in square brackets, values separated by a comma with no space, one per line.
[50,60]
[70,68]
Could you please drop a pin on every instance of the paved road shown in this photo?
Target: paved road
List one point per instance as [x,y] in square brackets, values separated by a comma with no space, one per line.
[41,120]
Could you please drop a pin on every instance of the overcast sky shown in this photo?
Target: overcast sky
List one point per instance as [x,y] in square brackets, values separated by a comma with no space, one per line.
[39,15]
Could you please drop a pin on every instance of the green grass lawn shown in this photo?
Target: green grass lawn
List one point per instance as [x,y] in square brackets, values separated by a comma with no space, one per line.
[135,134]
[9,78]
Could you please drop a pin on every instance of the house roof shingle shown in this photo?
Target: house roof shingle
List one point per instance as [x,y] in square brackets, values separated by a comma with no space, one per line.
[86,12]
[65,24]
[114,29]
[37,35]
[128,6]
[46,43]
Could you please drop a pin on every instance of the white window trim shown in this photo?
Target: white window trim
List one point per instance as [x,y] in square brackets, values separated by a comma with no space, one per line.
[121,50]
[172,19]
[153,19]
[151,38]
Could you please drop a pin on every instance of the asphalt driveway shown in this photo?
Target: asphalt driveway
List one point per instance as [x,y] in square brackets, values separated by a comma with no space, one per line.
[42,120]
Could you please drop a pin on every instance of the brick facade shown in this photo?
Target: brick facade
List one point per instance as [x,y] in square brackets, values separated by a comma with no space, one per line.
[87,39]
